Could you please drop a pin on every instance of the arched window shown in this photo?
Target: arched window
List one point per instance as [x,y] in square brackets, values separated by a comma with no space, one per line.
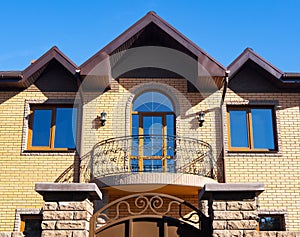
[153,130]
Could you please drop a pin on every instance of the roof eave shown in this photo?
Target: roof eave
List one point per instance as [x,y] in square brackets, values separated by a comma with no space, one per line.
[249,54]
[215,68]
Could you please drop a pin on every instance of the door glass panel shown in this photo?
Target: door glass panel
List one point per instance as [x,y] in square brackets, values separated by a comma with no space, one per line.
[134,165]
[41,127]
[152,146]
[170,134]
[238,128]
[135,133]
[152,165]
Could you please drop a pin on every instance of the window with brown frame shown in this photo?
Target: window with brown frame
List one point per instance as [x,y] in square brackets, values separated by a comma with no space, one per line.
[31,225]
[52,127]
[251,128]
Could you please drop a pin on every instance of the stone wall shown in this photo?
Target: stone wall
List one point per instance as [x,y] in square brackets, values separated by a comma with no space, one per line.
[67,218]
[68,208]
[11,234]
[234,218]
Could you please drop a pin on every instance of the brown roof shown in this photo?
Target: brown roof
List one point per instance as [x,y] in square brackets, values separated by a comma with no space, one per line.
[280,78]
[22,79]
[214,67]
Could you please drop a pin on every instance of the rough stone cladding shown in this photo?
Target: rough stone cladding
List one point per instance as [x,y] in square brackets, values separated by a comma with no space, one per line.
[279,171]
[19,171]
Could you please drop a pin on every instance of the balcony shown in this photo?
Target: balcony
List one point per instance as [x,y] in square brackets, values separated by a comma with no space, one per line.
[151,154]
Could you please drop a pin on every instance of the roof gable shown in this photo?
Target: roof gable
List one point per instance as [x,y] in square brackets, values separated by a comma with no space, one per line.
[134,32]
[267,71]
[33,71]
[249,54]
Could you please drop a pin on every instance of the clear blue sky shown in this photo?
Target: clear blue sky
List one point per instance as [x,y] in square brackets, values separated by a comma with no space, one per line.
[81,28]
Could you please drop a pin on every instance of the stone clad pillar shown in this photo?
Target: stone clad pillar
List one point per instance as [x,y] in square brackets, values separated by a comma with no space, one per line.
[232,208]
[68,208]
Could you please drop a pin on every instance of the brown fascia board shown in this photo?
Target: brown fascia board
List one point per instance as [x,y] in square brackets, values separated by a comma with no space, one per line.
[53,53]
[284,80]
[10,75]
[249,54]
[34,68]
[212,65]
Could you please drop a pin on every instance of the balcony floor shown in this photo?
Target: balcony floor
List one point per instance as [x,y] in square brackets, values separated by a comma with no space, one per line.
[171,183]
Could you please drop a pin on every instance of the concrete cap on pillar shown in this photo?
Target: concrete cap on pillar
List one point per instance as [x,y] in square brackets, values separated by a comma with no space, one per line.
[234,191]
[68,191]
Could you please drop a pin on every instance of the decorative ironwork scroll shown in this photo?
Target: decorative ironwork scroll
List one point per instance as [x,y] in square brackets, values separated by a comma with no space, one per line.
[147,204]
[158,154]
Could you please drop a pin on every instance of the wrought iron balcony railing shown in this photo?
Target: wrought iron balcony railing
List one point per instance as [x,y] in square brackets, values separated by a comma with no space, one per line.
[151,153]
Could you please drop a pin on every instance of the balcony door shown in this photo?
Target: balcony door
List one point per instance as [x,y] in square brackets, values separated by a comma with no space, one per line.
[153,130]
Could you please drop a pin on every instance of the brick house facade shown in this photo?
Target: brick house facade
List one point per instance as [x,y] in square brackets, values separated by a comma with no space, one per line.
[168,128]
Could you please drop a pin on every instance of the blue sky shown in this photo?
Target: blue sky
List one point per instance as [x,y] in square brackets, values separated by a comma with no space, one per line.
[81,28]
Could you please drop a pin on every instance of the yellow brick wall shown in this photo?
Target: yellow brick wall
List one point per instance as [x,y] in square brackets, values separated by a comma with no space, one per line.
[117,101]
[280,171]
[19,172]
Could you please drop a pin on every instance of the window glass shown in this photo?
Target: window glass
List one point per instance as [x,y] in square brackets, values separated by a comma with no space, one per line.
[65,128]
[41,127]
[52,127]
[262,123]
[152,102]
[153,144]
[251,129]
[152,165]
[31,225]
[170,134]
[238,128]
[271,223]
[135,133]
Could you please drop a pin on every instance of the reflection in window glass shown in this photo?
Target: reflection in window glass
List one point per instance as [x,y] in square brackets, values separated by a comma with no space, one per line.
[134,167]
[262,128]
[41,127]
[170,133]
[271,223]
[153,144]
[153,128]
[238,128]
[251,128]
[52,127]
[65,128]
[152,165]
[32,225]
[135,132]
[152,102]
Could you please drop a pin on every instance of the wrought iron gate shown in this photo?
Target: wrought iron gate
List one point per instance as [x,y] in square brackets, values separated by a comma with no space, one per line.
[149,215]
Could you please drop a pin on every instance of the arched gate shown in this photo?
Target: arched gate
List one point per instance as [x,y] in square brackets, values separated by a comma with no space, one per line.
[149,215]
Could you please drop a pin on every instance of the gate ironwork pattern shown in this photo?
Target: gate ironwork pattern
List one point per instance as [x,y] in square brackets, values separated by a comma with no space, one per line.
[148,205]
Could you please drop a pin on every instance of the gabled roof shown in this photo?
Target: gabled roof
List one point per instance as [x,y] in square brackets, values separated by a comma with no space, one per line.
[22,79]
[280,78]
[249,54]
[213,66]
